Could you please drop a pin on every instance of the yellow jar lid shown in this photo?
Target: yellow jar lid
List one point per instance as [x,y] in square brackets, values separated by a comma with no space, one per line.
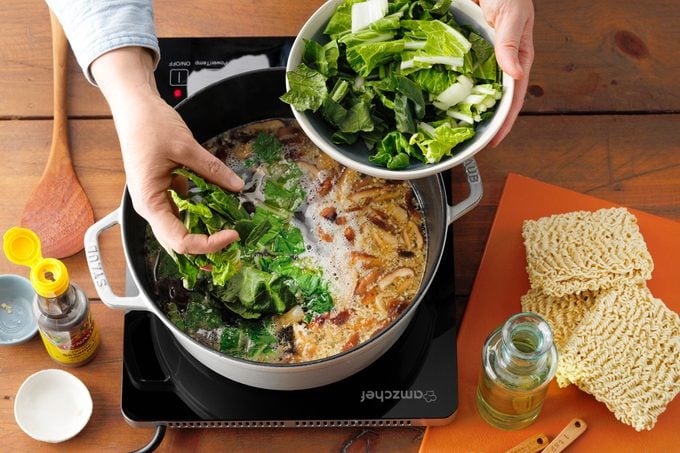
[49,276]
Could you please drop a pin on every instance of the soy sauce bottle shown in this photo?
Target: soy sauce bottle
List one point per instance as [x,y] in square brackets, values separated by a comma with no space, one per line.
[60,307]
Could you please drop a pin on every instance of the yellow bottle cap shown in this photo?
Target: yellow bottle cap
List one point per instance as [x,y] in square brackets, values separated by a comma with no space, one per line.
[49,276]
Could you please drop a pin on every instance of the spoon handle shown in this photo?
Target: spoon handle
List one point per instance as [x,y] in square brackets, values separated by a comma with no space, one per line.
[60,50]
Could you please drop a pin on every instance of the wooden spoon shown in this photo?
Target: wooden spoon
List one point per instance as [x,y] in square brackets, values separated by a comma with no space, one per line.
[58,210]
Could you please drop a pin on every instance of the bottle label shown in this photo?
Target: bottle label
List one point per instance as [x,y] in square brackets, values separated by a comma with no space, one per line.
[74,346]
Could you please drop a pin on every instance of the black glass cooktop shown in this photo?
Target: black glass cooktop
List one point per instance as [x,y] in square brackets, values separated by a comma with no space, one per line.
[414,383]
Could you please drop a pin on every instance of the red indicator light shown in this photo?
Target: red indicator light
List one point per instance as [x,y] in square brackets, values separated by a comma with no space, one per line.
[177,93]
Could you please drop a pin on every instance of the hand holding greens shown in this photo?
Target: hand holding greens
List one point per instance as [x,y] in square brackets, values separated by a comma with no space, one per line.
[255,277]
[402,76]
[258,274]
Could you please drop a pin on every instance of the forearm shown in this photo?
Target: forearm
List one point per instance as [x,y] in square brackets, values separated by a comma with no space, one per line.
[125,76]
[95,27]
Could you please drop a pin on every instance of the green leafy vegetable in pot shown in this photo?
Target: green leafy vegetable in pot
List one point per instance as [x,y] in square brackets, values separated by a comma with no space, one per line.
[256,276]
[242,276]
[326,257]
[402,76]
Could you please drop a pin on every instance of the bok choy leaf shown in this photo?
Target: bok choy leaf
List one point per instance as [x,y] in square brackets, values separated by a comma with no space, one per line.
[241,277]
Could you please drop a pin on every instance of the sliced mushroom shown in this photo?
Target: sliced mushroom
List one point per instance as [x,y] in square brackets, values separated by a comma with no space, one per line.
[340,318]
[329,213]
[365,183]
[345,179]
[350,235]
[397,214]
[385,241]
[377,300]
[363,258]
[414,230]
[370,297]
[364,195]
[323,235]
[408,243]
[325,186]
[404,286]
[387,195]
[290,135]
[387,279]
[366,281]
[352,341]
[242,151]
[412,205]
[381,220]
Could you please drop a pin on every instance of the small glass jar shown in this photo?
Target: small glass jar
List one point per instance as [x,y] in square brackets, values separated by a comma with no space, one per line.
[519,359]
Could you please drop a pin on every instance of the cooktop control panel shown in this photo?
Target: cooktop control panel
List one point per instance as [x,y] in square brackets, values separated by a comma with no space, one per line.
[190,64]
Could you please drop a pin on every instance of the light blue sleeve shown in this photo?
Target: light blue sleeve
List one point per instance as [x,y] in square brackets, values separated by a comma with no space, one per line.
[94,27]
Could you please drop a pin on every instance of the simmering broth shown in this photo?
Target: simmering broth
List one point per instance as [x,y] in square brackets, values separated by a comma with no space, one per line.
[363,254]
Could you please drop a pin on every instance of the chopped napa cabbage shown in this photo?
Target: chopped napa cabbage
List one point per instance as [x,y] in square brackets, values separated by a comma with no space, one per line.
[454,94]
[440,39]
[471,109]
[365,13]
[367,35]
[364,58]
[438,142]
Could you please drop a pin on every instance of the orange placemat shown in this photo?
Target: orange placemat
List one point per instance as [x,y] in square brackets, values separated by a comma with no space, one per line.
[501,280]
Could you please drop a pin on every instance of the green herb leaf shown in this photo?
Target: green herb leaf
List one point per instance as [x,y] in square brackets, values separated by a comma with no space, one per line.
[267,148]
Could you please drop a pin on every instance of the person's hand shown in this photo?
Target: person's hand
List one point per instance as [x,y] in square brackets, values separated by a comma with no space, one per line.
[513,21]
[154,141]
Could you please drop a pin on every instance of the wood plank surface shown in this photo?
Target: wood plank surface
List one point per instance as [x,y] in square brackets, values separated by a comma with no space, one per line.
[599,56]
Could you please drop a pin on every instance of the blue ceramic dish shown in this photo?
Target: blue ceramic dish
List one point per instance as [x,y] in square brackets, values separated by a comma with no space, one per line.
[17,323]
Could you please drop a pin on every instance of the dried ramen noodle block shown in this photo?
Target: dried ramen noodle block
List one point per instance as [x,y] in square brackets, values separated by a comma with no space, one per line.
[585,251]
[626,353]
[563,314]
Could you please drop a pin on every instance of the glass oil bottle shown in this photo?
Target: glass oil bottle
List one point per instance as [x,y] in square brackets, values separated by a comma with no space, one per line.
[518,361]
[60,307]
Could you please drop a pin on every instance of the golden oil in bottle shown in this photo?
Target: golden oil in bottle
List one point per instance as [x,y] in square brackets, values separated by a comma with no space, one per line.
[518,361]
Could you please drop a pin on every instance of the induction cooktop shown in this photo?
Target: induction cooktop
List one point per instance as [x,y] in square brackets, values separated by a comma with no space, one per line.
[413,383]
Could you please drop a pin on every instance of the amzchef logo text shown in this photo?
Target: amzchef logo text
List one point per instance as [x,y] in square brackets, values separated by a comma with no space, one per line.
[428,396]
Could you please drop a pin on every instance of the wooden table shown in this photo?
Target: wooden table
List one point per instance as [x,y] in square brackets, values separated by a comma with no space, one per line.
[602,116]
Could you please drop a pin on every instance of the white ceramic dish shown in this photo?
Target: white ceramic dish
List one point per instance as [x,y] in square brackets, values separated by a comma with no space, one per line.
[355,156]
[17,324]
[52,406]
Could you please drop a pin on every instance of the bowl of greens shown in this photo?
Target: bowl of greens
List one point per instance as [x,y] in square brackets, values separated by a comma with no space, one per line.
[397,89]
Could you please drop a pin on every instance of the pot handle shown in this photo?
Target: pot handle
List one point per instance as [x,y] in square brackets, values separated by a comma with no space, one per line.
[474,196]
[94,263]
